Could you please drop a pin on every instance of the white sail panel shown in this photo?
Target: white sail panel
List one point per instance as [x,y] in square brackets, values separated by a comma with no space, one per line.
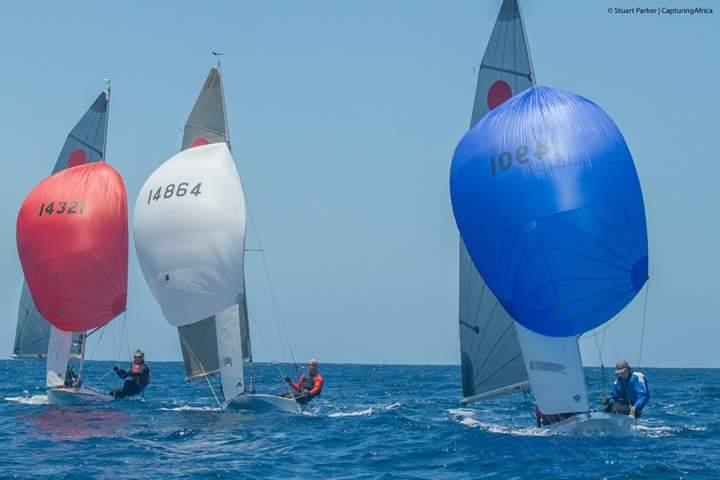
[58,355]
[230,354]
[554,366]
[190,233]
[491,359]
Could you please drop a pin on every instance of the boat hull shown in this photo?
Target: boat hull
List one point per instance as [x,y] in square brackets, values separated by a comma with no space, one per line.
[602,423]
[76,396]
[263,403]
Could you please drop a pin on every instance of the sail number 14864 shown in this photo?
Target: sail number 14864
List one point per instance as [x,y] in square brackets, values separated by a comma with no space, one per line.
[173,190]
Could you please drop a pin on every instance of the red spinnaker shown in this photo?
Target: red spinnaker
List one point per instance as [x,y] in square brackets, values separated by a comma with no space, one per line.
[72,237]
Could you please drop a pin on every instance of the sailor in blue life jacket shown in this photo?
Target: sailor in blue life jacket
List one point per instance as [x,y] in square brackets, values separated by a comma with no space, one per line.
[630,391]
[136,378]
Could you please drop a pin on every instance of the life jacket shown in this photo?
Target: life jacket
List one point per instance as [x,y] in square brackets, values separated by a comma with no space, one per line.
[643,379]
[137,369]
[308,382]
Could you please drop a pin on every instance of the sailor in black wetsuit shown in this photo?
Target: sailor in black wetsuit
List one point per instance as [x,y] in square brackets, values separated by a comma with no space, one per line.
[136,379]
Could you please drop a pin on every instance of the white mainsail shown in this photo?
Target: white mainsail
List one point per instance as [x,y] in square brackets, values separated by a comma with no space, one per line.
[58,355]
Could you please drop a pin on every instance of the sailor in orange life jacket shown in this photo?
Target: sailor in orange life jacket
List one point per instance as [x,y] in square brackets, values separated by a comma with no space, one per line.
[309,385]
[139,374]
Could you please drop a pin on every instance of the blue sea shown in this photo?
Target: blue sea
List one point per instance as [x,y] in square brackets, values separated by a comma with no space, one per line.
[386,421]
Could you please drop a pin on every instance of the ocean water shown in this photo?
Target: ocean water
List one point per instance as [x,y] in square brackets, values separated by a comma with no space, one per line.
[370,422]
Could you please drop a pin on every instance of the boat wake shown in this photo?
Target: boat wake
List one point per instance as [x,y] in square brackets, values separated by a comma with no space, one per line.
[190,408]
[29,400]
[366,412]
[465,416]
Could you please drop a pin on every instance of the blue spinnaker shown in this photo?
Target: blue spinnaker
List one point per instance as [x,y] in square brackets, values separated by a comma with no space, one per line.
[548,202]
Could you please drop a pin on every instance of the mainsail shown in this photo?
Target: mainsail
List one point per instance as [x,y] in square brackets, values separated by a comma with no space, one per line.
[491,358]
[207,124]
[85,143]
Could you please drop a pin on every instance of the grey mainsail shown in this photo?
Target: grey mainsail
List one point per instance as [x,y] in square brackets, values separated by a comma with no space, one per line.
[85,143]
[206,124]
[491,360]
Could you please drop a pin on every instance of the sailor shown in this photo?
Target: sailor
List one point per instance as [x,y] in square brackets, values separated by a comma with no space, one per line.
[71,378]
[630,391]
[136,378]
[309,385]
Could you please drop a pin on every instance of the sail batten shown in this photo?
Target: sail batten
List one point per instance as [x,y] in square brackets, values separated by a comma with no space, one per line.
[486,327]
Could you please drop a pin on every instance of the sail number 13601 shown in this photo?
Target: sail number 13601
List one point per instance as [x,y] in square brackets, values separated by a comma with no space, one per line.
[173,190]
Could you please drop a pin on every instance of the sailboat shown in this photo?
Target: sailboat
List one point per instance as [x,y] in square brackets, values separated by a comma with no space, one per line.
[503,350]
[190,225]
[72,242]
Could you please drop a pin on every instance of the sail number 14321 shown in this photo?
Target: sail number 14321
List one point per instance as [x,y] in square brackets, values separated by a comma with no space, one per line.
[173,190]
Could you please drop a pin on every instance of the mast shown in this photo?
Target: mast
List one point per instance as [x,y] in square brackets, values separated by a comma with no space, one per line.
[82,336]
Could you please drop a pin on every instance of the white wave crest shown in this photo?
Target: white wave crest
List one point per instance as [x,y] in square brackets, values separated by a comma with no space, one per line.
[190,408]
[358,413]
[29,400]
[366,412]
[465,417]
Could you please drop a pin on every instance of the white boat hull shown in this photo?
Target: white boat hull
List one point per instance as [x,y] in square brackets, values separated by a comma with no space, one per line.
[263,403]
[602,423]
[76,396]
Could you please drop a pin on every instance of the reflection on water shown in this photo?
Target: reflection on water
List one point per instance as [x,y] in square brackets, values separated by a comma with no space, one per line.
[58,423]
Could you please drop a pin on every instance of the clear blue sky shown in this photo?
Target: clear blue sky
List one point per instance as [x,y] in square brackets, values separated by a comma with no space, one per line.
[344,117]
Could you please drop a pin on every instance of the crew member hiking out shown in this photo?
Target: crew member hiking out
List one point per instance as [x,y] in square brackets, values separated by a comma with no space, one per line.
[309,385]
[630,391]
[136,378]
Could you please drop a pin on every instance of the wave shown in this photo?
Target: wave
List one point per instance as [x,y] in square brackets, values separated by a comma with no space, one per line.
[366,412]
[358,413]
[190,408]
[465,417]
[29,400]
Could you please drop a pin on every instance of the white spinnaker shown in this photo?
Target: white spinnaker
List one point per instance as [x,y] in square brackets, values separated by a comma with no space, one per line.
[230,354]
[190,239]
[554,366]
[58,355]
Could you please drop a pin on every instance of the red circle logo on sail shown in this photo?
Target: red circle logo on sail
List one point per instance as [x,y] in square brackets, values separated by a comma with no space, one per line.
[199,141]
[77,157]
[499,92]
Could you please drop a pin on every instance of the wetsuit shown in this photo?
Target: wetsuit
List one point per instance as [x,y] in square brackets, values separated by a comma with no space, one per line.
[139,378]
[307,388]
